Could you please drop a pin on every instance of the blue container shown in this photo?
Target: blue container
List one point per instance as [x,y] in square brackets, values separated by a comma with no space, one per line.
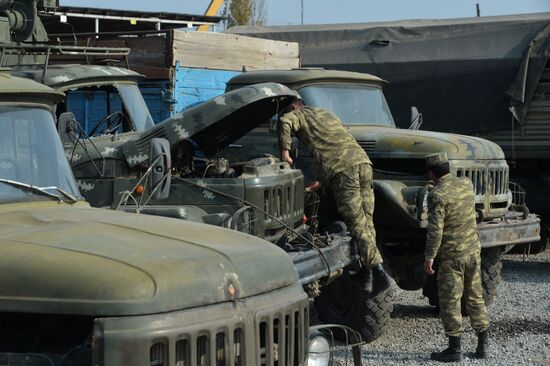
[187,88]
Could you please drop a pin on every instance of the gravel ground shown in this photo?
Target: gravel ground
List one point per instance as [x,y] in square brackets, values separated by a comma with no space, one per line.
[520,322]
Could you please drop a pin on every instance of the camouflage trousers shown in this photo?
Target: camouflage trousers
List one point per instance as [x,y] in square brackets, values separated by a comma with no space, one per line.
[354,194]
[459,281]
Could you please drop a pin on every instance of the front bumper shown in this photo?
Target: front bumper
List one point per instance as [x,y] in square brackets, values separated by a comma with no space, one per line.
[511,230]
[265,329]
[312,265]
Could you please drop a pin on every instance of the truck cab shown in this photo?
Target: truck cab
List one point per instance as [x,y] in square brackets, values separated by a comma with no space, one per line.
[400,171]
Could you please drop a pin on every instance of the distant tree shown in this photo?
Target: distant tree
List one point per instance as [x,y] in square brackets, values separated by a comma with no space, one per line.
[246,12]
[259,12]
[240,12]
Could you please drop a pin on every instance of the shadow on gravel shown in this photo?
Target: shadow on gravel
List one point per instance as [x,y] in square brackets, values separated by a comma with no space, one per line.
[416,357]
[530,272]
[512,327]
[414,311]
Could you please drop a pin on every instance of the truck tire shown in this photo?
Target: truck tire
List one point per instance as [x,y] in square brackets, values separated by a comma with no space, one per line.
[491,267]
[344,302]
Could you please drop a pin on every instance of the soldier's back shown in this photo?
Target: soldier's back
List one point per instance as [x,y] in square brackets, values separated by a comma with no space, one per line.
[460,236]
[334,148]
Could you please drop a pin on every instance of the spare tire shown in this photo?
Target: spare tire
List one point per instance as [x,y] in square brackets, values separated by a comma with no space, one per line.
[345,302]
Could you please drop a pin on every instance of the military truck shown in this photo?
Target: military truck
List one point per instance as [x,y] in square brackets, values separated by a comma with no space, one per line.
[85,286]
[110,156]
[400,179]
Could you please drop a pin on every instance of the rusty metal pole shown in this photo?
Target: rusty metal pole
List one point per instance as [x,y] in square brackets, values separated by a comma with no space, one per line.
[302,3]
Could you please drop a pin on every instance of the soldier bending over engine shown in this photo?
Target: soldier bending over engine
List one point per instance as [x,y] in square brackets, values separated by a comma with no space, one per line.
[348,169]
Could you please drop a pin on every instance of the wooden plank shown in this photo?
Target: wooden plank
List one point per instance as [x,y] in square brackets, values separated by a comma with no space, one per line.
[232,52]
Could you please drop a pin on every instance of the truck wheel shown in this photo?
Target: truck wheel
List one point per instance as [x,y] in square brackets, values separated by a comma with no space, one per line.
[344,302]
[491,266]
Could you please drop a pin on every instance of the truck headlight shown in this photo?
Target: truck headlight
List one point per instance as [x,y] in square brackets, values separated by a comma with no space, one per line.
[319,351]
[510,198]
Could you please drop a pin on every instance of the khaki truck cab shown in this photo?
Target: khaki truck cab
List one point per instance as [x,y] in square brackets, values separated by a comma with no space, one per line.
[399,168]
[86,286]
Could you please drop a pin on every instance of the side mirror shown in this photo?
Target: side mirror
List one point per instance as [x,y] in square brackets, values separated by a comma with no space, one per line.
[416,119]
[161,165]
[67,125]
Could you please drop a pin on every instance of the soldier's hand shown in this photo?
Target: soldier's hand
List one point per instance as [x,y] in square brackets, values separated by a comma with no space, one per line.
[428,263]
[285,156]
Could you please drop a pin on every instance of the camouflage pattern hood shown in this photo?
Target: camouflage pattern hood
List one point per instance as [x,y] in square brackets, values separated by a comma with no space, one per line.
[216,123]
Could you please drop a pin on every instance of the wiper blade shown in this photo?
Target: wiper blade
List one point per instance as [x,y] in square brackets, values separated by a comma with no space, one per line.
[41,190]
[68,197]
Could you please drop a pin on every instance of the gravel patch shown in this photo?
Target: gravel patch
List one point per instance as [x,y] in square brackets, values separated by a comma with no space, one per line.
[520,322]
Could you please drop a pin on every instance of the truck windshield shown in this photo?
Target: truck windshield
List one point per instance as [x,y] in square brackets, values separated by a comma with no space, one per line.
[31,153]
[354,104]
[136,107]
[119,106]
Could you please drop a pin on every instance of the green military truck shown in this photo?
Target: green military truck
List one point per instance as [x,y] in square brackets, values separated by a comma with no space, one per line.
[110,159]
[400,178]
[85,286]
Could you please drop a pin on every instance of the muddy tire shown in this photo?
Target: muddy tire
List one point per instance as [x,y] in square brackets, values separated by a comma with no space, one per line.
[344,302]
[491,267]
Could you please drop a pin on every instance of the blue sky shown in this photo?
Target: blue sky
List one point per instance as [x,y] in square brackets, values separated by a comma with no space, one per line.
[282,12]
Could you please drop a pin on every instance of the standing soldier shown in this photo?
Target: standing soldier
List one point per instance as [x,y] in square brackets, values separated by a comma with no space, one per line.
[452,236]
[348,170]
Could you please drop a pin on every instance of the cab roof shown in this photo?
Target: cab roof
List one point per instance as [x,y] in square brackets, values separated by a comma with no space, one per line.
[302,76]
[16,89]
[59,76]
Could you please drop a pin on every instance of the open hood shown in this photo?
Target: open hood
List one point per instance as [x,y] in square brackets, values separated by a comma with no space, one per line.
[216,123]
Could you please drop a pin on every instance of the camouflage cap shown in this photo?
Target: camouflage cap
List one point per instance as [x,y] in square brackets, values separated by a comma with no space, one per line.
[436,159]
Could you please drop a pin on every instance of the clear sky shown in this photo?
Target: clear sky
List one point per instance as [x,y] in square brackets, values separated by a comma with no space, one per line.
[282,12]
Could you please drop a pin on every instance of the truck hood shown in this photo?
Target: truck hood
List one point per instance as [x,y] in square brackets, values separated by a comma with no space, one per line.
[386,142]
[64,259]
[216,123]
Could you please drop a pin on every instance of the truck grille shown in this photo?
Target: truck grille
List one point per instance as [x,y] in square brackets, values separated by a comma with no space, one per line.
[283,202]
[496,184]
[279,338]
[368,145]
[490,181]
[499,181]
[478,178]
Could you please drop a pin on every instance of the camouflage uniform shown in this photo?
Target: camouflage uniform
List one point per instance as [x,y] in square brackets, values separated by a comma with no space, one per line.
[452,232]
[342,163]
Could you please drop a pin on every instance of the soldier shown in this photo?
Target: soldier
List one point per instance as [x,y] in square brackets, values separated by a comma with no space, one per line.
[348,170]
[452,237]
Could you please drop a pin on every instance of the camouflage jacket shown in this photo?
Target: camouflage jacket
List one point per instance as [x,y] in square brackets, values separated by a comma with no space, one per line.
[332,146]
[452,227]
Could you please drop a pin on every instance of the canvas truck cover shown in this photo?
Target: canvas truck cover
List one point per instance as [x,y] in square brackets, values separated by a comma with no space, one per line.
[464,75]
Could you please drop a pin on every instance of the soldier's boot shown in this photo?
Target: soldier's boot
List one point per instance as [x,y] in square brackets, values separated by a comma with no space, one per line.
[381,280]
[453,353]
[482,350]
